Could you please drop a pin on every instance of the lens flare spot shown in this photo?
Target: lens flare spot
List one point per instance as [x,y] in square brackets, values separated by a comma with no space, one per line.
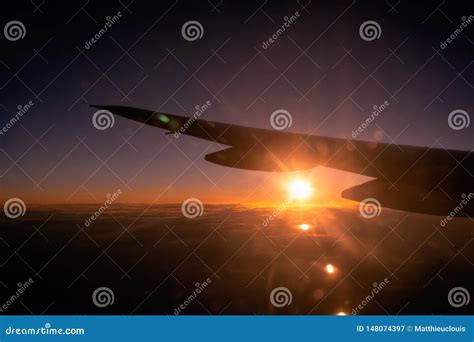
[330,269]
[304,226]
[164,118]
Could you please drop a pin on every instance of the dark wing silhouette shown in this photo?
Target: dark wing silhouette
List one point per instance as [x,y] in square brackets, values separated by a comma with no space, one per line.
[410,178]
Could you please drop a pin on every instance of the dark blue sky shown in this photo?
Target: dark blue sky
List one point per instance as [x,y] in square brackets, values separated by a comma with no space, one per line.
[319,69]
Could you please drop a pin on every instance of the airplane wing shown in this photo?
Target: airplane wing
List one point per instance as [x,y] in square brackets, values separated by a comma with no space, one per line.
[427,180]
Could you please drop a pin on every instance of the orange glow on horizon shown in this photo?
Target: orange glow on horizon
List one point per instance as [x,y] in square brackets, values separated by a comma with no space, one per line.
[270,190]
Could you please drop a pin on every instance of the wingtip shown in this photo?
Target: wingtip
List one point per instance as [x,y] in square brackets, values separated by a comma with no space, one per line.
[97,106]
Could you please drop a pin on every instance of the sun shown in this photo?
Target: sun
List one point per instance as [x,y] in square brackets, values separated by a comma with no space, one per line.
[300,189]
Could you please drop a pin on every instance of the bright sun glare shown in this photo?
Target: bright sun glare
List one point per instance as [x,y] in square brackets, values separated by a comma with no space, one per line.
[300,189]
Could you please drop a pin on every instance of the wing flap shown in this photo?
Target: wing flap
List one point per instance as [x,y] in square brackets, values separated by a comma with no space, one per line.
[259,158]
[408,197]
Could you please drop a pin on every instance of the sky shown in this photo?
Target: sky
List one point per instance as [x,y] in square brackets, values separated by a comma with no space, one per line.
[320,70]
